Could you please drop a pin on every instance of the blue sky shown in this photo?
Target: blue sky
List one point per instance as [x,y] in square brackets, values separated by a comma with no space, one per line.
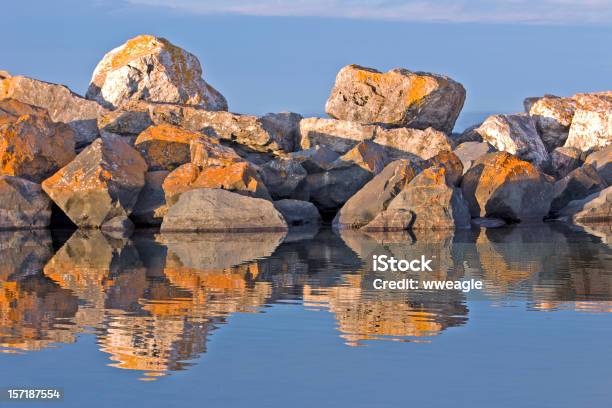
[270,55]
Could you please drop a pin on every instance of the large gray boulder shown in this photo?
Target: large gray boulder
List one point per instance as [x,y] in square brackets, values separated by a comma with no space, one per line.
[602,162]
[397,98]
[515,134]
[152,69]
[428,202]
[216,210]
[23,204]
[376,195]
[578,184]
[297,212]
[101,183]
[596,208]
[500,185]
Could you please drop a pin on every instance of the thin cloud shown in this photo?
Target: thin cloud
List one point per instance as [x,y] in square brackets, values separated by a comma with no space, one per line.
[461,11]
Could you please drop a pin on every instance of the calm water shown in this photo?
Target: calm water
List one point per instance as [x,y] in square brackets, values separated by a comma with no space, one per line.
[275,320]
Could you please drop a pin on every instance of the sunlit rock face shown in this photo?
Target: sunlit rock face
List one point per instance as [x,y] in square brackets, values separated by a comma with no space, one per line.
[553,117]
[152,69]
[342,135]
[210,210]
[252,136]
[515,134]
[591,127]
[32,146]
[376,195]
[429,201]
[396,98]
[102,183]
[502,186]
[61,103]
[23,204]
[213,165]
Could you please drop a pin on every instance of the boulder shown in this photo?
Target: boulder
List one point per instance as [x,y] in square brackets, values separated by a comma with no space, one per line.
[337,135]
[403,143]
[282,177]
[151,206]
[515,134]
[4,74]
[61,103]
[240,177]
[565,159]
[591,127]
[297,212]
[316,159]
[11,110]
[590,130]
[428,202]
[209,210]
[165,147]
[23,204]
[329,190]
[552,116]
[272,133]
[578,184]
[376,195]
[397,98]
[451,163]
[469,152]
[31,145]
[101,183]
[596,208]
[152,69]
[602,162]
[286,124]
[206,151]
[500,185]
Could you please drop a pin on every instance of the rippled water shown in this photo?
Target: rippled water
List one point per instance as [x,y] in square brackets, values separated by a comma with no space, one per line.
[270,319]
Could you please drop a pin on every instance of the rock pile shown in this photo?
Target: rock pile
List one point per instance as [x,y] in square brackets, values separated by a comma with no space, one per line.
[152,144]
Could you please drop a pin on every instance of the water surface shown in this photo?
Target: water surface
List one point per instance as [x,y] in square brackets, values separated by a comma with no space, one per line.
[274,319]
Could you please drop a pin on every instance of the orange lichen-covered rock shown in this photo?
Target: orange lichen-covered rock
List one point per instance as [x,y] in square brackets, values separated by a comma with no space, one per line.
[61,103]
[240,177]
[165,147]
[502,186]
[31,145]
[397,98]
[152,69]
[102,183]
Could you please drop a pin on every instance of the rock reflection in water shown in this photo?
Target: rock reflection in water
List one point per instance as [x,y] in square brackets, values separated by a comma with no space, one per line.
[152,301]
